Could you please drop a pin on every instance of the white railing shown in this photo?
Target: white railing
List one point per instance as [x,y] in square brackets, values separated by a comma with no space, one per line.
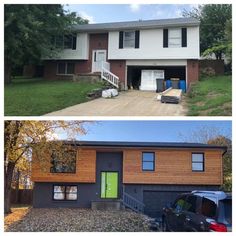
[107,75]
[106,65]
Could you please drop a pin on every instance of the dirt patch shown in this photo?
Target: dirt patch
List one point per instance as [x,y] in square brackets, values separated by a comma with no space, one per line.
[80,220]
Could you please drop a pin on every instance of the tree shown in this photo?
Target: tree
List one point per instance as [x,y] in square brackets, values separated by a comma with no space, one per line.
[22,136]
[28,32]
[213,20]
[227,161]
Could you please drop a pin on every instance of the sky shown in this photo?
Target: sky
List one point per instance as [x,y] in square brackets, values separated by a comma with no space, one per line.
[155,131]
[100,13]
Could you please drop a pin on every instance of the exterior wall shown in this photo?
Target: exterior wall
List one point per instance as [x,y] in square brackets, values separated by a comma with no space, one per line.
[85,169]
[43,195]
[156,62]
[172,167]
[118,67]
[81,52]
[192,72]
[105,161]
[95,41]
[151,46]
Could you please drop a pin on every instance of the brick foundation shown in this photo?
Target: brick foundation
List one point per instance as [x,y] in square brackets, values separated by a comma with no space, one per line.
[192,71]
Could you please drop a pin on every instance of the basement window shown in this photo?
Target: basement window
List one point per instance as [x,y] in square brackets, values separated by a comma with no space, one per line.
[148,161]
[198,162]
[65,192]
[65,68]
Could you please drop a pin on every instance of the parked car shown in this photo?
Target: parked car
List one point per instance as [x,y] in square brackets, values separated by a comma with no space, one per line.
[199,211]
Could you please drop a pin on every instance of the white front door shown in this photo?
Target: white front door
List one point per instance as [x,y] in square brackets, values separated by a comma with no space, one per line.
[99,56]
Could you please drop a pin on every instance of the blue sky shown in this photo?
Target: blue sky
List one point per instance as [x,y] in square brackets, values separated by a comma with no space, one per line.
[156,131]
[100,13]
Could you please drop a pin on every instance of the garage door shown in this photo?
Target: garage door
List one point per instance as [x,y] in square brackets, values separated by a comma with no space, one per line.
[148,79]
[155,201]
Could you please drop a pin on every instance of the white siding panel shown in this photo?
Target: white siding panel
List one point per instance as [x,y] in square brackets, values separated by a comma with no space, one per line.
[151,46]
[81,52]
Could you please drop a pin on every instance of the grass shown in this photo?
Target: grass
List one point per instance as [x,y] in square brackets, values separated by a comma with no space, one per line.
[33,97]
[211,96]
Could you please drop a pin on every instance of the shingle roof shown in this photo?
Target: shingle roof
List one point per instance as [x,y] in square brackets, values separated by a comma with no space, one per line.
[144,144]
[141,24]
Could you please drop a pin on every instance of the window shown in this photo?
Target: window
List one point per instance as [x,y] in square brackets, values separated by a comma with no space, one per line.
[208,207]
[68,40]
[174,38]
[148,161]
[64,162]
[65,192]
[65,68]
[129,39]
[65,41]
[191,204]
[179,204]
[197,162]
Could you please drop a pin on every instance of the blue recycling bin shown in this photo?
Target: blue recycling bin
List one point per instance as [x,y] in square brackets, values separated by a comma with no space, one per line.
[168,83]
[182,85]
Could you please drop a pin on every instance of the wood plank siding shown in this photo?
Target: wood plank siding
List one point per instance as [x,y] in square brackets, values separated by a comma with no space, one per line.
[85,170]
[172,167]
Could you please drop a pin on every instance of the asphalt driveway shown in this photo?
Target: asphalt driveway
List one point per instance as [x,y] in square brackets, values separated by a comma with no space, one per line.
[128,103]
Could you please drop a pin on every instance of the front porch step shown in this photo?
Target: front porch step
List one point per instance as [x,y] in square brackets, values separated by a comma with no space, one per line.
[106,205]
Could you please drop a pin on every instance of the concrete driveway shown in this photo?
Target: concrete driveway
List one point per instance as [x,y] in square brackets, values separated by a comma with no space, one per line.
[128,103]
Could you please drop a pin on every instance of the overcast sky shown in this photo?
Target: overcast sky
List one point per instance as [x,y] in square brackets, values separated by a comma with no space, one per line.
[100,13]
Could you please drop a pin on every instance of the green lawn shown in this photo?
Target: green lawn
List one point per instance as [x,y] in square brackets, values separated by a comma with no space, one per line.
[211,96]
[33,97]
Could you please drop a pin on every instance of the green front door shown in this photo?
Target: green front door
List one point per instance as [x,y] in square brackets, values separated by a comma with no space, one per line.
[109,184]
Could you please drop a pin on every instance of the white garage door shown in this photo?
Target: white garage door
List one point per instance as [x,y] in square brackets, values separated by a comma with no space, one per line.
[148,79]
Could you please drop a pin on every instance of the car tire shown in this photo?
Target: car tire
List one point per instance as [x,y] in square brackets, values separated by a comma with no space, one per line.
[165,227]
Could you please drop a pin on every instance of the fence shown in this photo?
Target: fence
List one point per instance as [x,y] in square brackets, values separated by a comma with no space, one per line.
[22,196]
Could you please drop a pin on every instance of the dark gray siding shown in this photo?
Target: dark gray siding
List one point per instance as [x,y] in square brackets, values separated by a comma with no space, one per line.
[106,161]
[155,197]
[109,161]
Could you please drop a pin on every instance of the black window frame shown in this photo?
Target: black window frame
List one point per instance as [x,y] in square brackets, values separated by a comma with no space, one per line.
[154,160]
[65,192]
[52,168]
[66,68]
[203,161]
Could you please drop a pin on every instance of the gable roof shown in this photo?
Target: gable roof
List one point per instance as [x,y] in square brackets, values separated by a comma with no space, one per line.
[144,144]
[141,24]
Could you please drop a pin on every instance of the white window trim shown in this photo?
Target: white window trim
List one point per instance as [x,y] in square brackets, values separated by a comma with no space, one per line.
[124,38]
[66,64]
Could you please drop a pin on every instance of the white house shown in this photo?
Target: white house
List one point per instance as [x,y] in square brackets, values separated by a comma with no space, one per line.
[121,51]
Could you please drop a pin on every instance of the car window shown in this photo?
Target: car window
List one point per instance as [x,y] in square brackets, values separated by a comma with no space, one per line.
[225,211]
[208,208]
[191,204]
[179,204]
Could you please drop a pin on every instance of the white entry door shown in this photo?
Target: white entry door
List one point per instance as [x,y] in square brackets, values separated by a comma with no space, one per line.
[99,56]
